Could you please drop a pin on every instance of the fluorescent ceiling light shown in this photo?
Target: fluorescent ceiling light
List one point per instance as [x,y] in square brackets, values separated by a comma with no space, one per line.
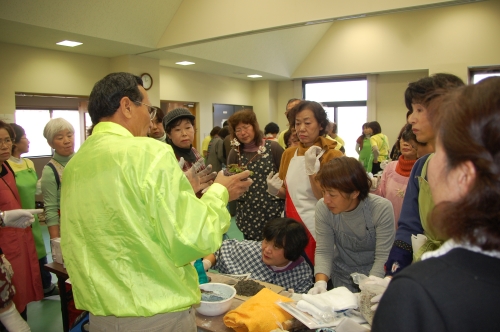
[69,43]
[254,76]
[184,63]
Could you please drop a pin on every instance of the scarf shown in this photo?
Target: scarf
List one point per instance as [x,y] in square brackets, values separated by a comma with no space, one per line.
[251,147]
[404,167]
[163,138]
[187,154]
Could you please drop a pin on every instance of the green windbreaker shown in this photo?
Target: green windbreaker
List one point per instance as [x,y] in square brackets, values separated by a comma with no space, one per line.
[131,224]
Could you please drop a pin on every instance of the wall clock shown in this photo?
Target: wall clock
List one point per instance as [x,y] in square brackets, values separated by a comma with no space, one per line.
[147,81]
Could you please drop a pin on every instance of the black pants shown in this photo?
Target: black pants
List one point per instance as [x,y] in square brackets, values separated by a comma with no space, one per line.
[46,276]
[376,168]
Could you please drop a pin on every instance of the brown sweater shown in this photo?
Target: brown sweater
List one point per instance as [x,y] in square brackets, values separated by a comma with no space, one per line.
[323,142]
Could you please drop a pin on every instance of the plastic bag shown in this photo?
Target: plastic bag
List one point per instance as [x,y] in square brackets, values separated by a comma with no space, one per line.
[368,291]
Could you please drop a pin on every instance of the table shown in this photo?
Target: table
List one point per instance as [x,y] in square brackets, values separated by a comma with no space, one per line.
[216,323]
[62,276]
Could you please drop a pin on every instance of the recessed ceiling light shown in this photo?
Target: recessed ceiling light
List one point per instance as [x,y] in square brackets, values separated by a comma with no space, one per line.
[69,43]
[184,63]
[254,76]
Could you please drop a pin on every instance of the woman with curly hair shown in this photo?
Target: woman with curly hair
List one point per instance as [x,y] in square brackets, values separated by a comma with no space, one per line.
[256,207]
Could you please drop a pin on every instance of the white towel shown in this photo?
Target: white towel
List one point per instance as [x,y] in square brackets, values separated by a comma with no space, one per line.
[337,299]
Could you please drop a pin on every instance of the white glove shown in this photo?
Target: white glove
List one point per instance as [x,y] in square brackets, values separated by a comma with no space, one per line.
[319,288]
[373,280]
[311,157]
[7,267]
[20,218]
[206,264]
[274,183]
[181,162]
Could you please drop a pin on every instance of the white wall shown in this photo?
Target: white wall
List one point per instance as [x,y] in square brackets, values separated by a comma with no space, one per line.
[35,70]
[448,39]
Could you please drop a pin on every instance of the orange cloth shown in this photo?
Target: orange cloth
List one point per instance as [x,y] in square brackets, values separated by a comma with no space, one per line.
[260,313]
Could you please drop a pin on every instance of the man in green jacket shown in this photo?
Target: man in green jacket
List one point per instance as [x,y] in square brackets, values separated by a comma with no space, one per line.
[130,220]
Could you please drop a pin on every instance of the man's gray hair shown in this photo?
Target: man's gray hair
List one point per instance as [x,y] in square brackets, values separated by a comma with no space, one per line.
[54,126]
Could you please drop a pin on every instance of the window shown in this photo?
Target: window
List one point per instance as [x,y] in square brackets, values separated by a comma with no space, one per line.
[478,74]
[33,123]
[34,111]
[345,103]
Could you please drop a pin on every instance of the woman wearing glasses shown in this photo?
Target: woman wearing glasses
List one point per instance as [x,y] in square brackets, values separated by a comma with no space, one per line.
[256,207]
[179,126]
[16,240]
[299,165]
[60,136]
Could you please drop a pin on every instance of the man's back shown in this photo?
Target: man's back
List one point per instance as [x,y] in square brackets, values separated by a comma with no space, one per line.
[130,221]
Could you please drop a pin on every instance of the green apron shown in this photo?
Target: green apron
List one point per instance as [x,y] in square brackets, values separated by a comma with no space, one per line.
[26,185]
[366,155]
[425,206]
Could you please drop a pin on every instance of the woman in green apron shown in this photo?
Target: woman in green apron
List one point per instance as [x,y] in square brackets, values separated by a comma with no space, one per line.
[26,182]
[364,148]
[456,287]
[418,198]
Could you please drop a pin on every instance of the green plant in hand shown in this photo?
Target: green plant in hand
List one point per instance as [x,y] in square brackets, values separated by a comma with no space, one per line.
[238,168]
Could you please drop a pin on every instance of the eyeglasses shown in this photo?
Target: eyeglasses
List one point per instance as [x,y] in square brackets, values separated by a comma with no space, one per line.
[243,128]
[151,109]
[5,142]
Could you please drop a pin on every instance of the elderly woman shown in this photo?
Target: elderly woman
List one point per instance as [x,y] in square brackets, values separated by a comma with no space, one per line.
[157,131]
[26,182]
[179,126]
[354,229]
[16,239]
[261,156]
[59,134]
[396,174]
[456,288]
[299,165]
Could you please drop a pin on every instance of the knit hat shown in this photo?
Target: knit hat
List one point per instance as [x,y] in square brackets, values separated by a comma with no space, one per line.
[176,114]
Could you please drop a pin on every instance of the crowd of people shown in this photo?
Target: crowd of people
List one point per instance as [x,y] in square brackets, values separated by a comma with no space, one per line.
[134,211]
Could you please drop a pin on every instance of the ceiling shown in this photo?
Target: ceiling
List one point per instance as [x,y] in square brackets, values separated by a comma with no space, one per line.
[224,37]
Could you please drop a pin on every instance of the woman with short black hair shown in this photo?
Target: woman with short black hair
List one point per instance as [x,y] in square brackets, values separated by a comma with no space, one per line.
[354,229]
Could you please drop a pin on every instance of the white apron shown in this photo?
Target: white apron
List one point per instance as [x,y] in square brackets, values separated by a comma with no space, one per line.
[300,191]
